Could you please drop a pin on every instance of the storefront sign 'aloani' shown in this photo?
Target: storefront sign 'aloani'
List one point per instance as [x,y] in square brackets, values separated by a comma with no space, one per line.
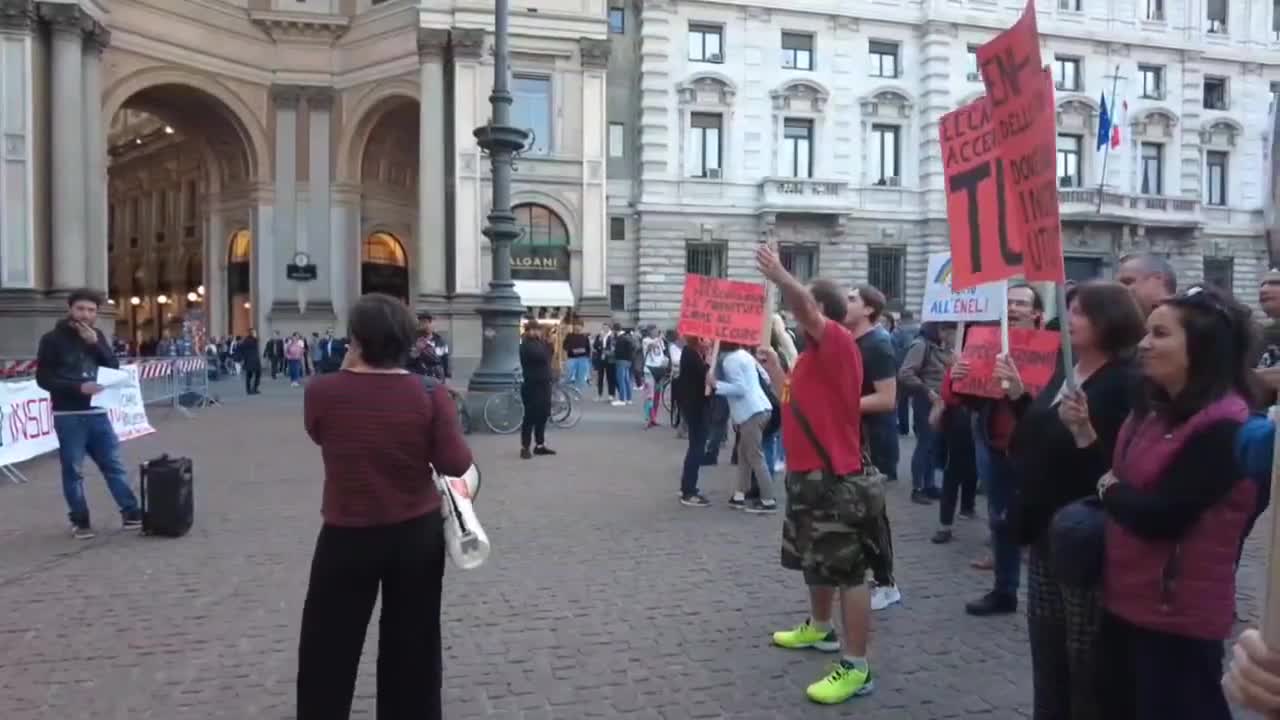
[728,310]
[1024,121]
[539,262]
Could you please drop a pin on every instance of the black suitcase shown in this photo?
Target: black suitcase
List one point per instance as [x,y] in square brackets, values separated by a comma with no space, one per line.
[168,497]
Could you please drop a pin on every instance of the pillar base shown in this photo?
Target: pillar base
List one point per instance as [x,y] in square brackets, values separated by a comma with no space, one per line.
[25,315]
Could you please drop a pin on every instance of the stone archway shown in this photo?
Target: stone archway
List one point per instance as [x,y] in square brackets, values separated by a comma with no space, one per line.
[384,266]
[384,155]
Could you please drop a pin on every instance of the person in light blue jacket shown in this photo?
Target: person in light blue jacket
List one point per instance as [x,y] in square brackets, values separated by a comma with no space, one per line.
[740,383]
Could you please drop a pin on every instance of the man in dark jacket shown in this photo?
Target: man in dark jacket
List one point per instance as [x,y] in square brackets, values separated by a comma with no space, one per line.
[275,354]
[67,369]
[250,360]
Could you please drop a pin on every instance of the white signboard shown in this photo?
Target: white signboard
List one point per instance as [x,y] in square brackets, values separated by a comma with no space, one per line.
[942,304]
[26,418]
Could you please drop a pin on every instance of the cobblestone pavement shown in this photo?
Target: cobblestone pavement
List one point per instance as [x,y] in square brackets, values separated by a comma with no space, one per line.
[604,598]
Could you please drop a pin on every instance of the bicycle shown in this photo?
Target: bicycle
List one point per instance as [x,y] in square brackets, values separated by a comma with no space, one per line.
[504,411]
[460,404]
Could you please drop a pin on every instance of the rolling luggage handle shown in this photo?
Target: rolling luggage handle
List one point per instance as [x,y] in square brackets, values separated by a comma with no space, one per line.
[142,493]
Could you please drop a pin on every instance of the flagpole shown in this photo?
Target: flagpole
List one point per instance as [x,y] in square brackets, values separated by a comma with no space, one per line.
[1106,151]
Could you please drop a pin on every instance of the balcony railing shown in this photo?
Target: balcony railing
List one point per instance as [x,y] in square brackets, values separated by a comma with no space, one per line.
[805,194]
[1155,207]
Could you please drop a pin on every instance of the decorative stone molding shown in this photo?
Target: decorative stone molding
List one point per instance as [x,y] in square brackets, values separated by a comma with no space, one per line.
[1191,57]
[887,103]
[432,43]
[1077,114]
[757,13]
[594,53]
[803,95]
[17,14]
[657,5]
[97,38]
[707,89]
[1155,123]
[318,98]
[1221,133]
[847,24]
[295,26]
[1254,69]
[286,96]
[467,43]
[63,18]
[937,27]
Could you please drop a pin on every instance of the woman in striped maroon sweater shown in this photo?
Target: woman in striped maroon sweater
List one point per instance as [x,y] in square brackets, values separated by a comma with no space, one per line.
[380,432]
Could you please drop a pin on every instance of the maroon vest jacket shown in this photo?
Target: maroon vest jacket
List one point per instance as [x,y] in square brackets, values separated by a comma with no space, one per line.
[1185,587]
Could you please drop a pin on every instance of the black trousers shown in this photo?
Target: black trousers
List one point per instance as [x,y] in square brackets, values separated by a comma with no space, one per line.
[407,561]
[608,378]
[537,408]
[1149,675]
[252,378]
[960,467]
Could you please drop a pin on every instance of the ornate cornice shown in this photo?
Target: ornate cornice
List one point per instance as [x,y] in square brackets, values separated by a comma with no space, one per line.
[467,43]
[286,96]
[17,14]
[97,37]
[318,98]
[432,42]
[63,18]
[301,27]
[595,53]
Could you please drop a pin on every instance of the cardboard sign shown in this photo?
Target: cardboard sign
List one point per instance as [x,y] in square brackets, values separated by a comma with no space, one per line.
[1034,353]
[728,310]
[942,304]
[1024,118]
[976,200]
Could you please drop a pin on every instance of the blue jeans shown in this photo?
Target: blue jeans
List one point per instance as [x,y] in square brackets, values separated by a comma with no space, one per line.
[996,471]
[295,370]
[626,383]
[882,443]
[577,371]
[91,434]
[694,455]
[924,461]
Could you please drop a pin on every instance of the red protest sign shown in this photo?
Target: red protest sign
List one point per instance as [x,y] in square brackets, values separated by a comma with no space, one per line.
[727,310]
[1034,353]
[1023,116]
[976,201]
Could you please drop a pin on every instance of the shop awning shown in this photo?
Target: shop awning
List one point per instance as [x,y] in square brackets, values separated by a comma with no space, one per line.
[545,293]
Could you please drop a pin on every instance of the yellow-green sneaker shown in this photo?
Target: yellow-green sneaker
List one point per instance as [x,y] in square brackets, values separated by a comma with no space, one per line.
[843,682]
[805,635]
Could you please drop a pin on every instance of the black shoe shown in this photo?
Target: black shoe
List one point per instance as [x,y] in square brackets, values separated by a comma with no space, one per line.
[993,603]
[737,504]
[132,520]
[968,514]
[695,501]
[759,507]
[525,454]
[934,493]
[919,497]
[82,532]
[941,537]
[543,450]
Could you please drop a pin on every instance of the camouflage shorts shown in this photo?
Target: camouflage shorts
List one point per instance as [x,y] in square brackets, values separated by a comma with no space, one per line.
[829,547]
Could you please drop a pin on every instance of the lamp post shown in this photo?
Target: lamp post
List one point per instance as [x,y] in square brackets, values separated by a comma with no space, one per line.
[501,309]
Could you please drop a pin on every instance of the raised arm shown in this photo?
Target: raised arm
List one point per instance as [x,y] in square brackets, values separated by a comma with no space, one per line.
[796,296]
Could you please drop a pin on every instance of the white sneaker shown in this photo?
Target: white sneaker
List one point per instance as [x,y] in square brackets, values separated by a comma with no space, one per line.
[883,597]
[617,403]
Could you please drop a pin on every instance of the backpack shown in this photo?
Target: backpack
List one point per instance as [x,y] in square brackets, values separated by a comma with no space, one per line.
[775,417]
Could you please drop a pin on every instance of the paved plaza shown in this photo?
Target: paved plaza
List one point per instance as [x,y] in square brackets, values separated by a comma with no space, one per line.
[604,596]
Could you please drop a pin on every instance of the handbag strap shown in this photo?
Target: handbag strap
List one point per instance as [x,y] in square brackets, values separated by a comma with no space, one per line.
[813,438]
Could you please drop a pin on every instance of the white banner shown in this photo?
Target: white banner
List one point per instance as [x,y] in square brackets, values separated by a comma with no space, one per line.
[26,418]
[942,304]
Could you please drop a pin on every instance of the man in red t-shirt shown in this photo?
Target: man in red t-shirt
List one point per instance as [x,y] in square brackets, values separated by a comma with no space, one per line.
[825,392]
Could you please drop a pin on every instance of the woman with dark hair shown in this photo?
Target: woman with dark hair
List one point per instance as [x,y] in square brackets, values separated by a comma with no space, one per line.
[1177,505]
[1061,444]
[692,399]
[381,433]
[535,391]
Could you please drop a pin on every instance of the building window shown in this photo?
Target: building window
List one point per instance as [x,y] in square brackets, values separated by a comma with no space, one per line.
[706,259]
[1069,161]
[1216,169]
[1220,273]
[704,145]
[797,148]
[617,20]
[706,43]
[617,139]
[971,64]
[887,271]
[797,51]
[1215,93]
[1073,5]
[1217,16]
[617,297]
[1155,10]
[540,226]
[532,110]
[1082,269]
[1152,81]
[617,228]
[800,260]
[1066,73]
[884,59]
[1152,169]
[885,154]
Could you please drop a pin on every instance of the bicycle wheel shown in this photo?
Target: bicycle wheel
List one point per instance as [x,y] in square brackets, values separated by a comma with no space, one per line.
[563,414]
[667,392]
[504,412]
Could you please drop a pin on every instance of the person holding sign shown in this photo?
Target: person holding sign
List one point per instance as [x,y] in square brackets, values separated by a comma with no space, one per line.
[1177,504]
[1063,442]
[833,503]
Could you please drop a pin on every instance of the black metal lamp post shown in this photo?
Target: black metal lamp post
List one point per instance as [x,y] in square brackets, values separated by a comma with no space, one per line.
[501,310]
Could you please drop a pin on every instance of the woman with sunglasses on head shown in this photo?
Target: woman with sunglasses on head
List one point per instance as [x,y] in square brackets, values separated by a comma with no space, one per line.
[1177,504]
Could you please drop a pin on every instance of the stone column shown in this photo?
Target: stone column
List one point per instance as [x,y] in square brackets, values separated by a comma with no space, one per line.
[215,272]
[262,269]
[95,163]
[69,249]
[319,240]
[17,177]
[593,299]
[345,219]
[430,257]
[466,47]
[285,239]
[936,49]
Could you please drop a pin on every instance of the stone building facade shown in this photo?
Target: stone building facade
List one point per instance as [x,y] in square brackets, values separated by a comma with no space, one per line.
[819,130]
[184,155]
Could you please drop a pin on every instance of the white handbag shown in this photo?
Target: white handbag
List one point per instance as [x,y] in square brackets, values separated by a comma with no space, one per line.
[466,540]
